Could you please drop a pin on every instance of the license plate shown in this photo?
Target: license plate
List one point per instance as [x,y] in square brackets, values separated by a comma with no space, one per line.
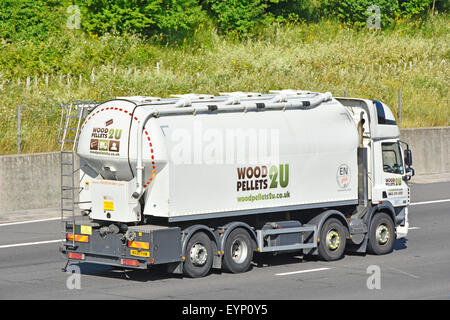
[145,254]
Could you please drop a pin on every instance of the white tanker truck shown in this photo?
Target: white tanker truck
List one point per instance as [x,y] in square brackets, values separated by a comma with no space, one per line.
[200,181]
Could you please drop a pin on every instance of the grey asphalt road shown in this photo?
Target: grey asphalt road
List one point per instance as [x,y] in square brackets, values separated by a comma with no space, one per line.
[419,267]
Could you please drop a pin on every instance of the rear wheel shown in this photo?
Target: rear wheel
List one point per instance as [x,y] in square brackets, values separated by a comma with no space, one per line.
[199,256]
[238,251]
[332,240]
[381,234]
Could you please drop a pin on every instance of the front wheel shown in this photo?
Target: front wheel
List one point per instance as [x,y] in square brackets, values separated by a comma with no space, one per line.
[381,234]
[332,240]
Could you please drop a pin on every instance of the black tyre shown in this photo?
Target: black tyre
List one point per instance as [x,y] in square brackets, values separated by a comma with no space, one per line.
[332,240]
[381,234]
[238,251]
[199,256]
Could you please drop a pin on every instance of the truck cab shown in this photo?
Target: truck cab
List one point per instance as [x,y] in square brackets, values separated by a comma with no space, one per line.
[388,161]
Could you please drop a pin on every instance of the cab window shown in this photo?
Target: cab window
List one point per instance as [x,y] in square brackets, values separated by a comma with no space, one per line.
[392,158]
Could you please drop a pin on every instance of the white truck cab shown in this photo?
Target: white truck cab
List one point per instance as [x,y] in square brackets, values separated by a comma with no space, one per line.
[389,165]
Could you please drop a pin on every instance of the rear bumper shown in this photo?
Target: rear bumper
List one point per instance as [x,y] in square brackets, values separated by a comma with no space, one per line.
[161,245]
[100,259]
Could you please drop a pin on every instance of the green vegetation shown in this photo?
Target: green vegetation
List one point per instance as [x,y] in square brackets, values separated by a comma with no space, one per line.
[209,48]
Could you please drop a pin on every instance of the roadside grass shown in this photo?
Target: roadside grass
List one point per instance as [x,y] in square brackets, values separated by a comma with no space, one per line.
[326,56]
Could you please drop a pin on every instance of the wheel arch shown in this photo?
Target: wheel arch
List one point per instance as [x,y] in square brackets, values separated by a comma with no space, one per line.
[320,219]
[190,231]
[385,207]
[228,228]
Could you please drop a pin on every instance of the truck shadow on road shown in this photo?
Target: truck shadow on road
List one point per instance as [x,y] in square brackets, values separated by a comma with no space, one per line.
[269,259]
[152,274]
[400,244]
[159,272]
[262,260]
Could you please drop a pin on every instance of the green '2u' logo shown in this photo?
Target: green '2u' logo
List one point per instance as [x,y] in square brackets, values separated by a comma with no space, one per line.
[117,134]
[283,171]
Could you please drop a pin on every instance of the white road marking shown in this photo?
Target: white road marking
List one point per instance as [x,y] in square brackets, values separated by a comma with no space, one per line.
[405,273]
[28,244]
[428,202]
[28,221]
[301,271]
[413,228]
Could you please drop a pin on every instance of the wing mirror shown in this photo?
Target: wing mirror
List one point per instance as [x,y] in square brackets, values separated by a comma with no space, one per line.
[408,157]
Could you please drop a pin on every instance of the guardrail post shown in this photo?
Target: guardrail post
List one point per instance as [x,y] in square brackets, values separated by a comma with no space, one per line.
[18,130]
[399,111]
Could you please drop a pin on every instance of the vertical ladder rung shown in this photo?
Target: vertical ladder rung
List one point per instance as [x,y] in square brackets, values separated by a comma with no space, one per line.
[75,110]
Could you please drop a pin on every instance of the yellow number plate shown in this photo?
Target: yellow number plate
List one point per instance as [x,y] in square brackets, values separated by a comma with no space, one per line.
[86,230]
[140,253]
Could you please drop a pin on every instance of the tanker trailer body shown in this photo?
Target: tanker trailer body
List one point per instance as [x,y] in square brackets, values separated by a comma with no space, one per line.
[202,181]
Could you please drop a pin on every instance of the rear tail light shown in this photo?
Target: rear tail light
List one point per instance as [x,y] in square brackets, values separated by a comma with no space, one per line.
[77,256]
[130,262]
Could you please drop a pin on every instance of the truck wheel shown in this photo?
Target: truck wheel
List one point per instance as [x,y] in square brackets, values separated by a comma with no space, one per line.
[199,256]
[332,240]
[381,234]
[238,251]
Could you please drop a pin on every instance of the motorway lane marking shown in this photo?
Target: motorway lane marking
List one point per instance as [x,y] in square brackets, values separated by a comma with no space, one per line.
[301,271]
[428,202]
[28,244]
[405,273]
[28,221]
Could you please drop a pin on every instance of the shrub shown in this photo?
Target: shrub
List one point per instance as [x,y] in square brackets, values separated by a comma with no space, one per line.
[243,16]
[145,17]
[414,8]
[358,12]
[240,16]
[30,19]
[294,10]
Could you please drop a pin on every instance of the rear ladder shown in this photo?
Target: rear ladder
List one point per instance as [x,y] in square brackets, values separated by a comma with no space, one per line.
[72,115]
